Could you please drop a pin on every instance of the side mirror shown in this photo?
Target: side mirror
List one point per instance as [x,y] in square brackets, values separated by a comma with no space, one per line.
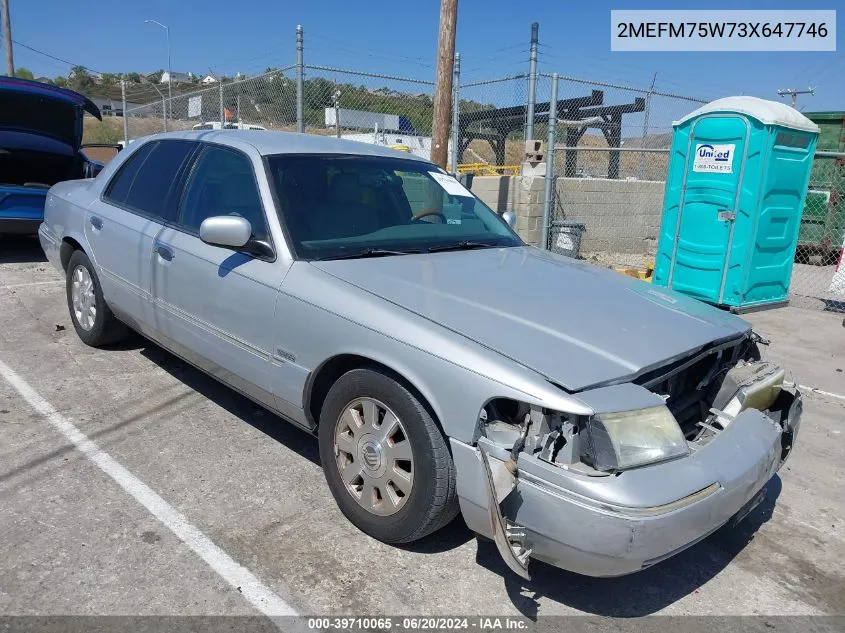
[510,218]
[230,231]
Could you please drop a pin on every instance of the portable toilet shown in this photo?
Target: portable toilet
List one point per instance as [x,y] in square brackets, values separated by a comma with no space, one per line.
[738,174]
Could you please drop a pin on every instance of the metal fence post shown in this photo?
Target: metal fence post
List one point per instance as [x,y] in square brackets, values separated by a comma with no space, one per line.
[222,109]
[300,123]
[549,193]
[532,83]
[164,112]
[641,171]
[125,119]
[456,111]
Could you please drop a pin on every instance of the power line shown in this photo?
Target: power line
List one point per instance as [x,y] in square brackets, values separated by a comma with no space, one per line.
[357,49]
[378,56]
[58,59]
[26,55]
[490,62]
[510,48]
[825,68]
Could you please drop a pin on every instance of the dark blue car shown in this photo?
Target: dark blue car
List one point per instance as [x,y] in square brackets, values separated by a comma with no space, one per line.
[40,145]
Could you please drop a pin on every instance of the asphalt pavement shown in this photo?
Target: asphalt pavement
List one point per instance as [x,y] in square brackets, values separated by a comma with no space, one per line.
[132,484]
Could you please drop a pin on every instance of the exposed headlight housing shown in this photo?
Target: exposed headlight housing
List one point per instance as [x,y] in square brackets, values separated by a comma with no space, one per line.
[626,439]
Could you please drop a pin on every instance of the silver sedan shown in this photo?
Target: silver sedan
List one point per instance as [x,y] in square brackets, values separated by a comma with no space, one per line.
[572,414]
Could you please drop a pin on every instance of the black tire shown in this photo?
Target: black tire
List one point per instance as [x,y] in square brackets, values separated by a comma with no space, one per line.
[432,502]
[106,328]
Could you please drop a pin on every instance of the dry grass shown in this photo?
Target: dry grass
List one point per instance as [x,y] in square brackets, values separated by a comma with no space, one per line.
[593,164]
[110,130]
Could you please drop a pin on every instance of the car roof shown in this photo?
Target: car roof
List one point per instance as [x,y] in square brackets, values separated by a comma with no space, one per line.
[269,142]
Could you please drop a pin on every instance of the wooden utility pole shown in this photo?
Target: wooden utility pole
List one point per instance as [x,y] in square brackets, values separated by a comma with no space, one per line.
[7,38]
[443,82]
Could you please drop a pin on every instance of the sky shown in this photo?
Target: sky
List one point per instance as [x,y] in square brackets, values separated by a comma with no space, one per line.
[400,38]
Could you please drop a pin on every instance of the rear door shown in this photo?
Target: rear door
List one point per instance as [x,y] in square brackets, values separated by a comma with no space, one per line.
[121,227]
[709,206]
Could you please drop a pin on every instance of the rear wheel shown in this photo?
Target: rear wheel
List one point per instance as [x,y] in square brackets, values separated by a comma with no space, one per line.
[386,461]
[92,319]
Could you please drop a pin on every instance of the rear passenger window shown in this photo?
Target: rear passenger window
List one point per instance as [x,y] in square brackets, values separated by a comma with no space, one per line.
[222,182]
[118,188]
[145,188]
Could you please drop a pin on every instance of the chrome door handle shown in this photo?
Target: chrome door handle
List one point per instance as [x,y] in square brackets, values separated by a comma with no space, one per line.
[96,222]
[165,253]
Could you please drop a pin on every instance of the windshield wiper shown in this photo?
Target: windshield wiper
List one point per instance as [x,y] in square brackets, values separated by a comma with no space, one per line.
[369,252]
[463,245]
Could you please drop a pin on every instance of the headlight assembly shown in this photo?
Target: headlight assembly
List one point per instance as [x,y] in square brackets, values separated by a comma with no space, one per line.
[625,439]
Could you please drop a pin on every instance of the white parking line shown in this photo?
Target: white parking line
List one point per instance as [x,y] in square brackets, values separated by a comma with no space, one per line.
[239,577]
[35,283]
[806,388]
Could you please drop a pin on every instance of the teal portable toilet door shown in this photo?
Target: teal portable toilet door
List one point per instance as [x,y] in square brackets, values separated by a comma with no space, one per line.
[708,207]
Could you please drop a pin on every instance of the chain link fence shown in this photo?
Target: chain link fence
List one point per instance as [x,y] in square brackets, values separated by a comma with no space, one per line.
[373,108]
[267,101]
[618,222]
[491,124]
[821,237]
[609,150]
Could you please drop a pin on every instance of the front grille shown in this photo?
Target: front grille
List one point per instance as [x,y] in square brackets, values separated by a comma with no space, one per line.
[690,391]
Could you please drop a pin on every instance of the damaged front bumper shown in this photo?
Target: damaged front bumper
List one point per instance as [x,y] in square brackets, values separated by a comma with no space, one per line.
[620,523]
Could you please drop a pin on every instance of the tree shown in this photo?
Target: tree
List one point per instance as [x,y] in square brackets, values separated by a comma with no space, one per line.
[134,78]
[319,93]
[24,73]
[79,79]
[60,81]
[109,79]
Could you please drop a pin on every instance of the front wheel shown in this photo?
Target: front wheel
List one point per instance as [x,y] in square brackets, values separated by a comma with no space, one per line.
[92,319]
[386,461]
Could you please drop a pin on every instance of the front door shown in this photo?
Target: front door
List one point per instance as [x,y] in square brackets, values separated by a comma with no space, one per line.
[216,304]
[709,206]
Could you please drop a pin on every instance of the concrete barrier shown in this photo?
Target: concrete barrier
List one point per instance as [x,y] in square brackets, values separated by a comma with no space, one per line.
[521,194]
[621,216]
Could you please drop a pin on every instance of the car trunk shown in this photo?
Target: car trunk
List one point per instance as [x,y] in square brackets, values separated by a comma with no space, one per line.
[40,134]
[37,168]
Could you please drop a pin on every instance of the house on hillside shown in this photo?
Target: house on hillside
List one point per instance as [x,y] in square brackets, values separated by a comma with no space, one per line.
[183,78]
[113,107]
[208,79]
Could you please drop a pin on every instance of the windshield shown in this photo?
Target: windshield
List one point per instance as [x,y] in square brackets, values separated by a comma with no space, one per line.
[343,206]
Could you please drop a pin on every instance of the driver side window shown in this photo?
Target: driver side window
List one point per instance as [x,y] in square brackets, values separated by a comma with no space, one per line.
[222,182]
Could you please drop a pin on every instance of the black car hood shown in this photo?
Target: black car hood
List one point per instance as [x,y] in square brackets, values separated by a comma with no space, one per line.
[38,109]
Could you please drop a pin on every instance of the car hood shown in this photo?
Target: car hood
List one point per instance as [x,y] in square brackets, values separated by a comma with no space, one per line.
[40,109]
[576,324]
